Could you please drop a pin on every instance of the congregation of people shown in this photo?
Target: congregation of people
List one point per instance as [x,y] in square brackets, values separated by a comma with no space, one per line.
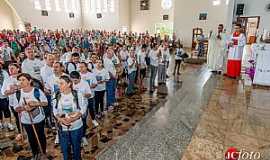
[61,79]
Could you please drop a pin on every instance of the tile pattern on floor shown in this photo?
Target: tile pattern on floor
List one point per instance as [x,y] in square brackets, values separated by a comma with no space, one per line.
[165,132]
[236,116]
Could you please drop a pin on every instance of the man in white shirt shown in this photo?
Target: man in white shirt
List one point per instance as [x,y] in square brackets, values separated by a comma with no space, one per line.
[142,64]
[46,71]
[52,84]
[217,47]
[154,60]
[178,58]
[109,64]
[32,65]
[163,64]
[73,65]
[66,57]
[7,54]
[132,68]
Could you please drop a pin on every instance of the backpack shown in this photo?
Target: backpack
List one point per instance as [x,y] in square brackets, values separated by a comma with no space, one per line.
[36,94]
[75,98]
[67,64]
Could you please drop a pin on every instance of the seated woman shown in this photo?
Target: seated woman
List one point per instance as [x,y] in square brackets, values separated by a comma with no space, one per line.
[69,106]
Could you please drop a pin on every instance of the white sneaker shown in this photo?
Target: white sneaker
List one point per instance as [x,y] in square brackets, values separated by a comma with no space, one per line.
[10,127]
[95,123]
[56,141]
[1,126]
[84,141]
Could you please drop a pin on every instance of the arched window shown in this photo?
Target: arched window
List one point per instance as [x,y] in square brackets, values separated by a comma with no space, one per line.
[73,4]
[66,5]
[105,5]
[216,2]
[48,5]
[98,6]
[57,5]
[37,5]
[86,5]
[92,5]
[111,5]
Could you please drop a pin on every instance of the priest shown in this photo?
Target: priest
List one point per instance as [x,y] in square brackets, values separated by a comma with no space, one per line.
[236,46]
[217,50]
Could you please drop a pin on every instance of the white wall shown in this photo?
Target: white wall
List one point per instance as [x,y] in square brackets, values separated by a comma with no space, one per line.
[230,15]
[6,16]
[125,13]
[146,20]
[110,20]
[25,9]
[257,8]
[186,17]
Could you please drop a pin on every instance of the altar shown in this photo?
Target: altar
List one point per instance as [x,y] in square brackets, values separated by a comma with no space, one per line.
[261,53]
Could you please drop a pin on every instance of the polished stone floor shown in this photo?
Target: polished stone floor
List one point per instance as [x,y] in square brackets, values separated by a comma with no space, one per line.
[195,116]
[165,133]
[236,116]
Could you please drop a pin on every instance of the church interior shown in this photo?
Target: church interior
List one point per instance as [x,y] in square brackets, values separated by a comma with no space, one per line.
[134,79]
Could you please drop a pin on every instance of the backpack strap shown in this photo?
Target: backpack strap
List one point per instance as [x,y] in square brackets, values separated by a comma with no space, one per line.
[57,97]
[76,99]
[37,94]
[75,96]
[68,63]
[18,95]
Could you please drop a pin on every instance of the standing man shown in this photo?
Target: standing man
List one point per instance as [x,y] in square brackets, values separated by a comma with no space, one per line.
[236,46]
[46,72]
[7,55]
[110,60]
[32,65]
[217,50]
[155,55]
[163,64]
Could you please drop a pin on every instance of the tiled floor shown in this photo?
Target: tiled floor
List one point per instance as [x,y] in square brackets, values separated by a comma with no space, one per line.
[236,116]
[164,134]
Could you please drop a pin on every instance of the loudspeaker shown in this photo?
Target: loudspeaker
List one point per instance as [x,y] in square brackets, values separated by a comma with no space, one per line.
[71,15]
[44,13]
[240,9]
[99,15]
[165,17]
